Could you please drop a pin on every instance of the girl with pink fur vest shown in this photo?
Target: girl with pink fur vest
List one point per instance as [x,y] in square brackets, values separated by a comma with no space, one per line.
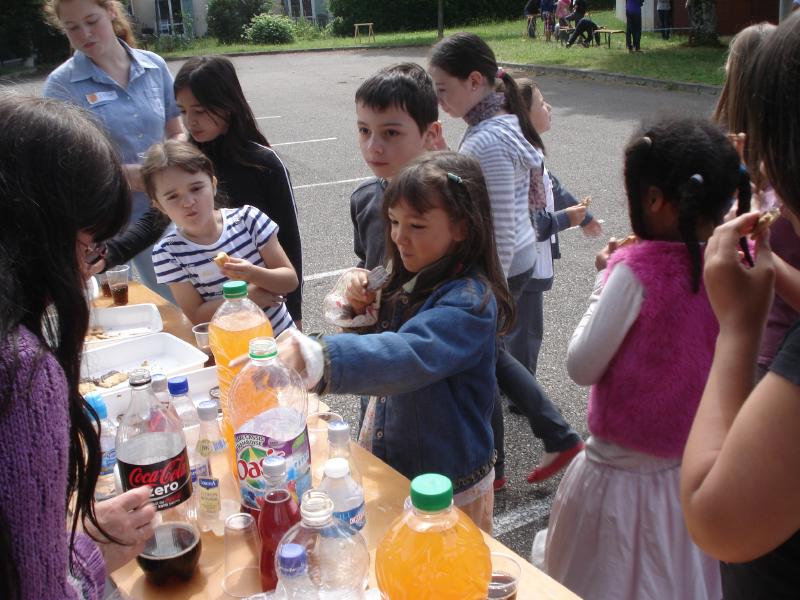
[645,346]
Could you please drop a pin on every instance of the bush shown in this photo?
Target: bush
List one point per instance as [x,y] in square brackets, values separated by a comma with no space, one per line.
[226,18]
[169,43]
[270,29]
[306,30]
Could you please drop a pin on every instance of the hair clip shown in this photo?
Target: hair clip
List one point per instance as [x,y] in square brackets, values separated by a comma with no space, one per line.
[743,169]
[648,141]
[696,179]
[455,178]
[500,73]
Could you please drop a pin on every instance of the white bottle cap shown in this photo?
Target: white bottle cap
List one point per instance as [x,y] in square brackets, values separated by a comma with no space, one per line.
[336,468]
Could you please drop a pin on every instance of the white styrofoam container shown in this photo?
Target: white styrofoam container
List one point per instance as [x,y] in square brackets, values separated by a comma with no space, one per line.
[163,352]
[200,384]
[124,322]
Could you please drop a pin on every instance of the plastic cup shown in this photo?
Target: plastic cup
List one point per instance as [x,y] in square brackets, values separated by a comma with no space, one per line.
[506,572]
[118,282]
[200,332]
[318,439]
[242,556]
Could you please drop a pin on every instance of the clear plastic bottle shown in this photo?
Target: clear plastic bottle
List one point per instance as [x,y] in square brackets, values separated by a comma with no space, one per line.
[151,450]
[346,493]
[339,447]
[190,422]
[433,550]
[210,447]
[338,559]
[158,383]
[292,564]
[105,487]
[269,405]
[237,321]
[279,512]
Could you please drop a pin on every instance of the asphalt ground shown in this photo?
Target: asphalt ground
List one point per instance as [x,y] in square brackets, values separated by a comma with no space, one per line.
[304,103]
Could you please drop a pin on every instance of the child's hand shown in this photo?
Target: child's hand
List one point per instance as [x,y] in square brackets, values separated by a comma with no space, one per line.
[290,353]
[740,295]
[592,229]
[238,269]
[356,292]
[576,214]
[601,258]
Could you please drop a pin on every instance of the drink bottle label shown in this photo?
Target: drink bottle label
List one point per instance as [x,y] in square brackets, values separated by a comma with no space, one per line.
[206,447]
[251,451]
[355,517]
[107,462]
[170,479]
[209,494]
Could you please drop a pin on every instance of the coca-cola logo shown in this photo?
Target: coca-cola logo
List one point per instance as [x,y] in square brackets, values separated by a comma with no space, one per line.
[176,469]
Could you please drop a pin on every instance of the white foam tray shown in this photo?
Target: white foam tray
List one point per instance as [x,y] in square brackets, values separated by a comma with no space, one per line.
[163,352]
[124,322]
[200,384]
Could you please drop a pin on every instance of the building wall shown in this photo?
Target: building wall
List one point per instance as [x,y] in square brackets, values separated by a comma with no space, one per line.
[200,13]
[732,15]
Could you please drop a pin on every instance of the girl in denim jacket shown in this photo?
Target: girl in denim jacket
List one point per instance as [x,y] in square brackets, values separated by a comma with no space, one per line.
[430,357]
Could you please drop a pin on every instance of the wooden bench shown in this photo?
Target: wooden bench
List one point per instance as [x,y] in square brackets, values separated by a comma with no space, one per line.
[608,33]
[357,32]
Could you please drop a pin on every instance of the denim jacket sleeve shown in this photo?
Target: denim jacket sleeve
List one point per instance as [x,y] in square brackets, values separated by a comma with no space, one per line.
[447,336]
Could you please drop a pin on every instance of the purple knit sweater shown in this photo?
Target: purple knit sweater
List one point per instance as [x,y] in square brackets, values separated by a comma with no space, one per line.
[647,398]
[34,446]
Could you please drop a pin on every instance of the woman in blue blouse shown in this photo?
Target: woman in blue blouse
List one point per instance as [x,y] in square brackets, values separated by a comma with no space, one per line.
[128,90]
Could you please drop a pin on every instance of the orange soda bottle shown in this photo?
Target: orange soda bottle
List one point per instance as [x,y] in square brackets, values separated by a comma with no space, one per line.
[237,321]
[433,550]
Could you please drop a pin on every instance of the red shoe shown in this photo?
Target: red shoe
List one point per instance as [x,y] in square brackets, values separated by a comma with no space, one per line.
[500,484]
[540,474]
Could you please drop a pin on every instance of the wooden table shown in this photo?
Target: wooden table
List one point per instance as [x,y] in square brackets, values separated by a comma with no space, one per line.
[384,489]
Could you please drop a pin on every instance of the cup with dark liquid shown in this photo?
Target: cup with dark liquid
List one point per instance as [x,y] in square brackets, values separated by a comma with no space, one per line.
[172,553]
[506,572]
[104,287]
[118,283]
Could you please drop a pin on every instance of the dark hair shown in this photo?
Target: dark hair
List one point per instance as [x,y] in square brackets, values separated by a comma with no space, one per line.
[406,86]
[59,175]
[526,87]
[773,121]
[696,168]
[462,53]
[731,109]
[172,153]
[213,82]
[120,23]
[453,182]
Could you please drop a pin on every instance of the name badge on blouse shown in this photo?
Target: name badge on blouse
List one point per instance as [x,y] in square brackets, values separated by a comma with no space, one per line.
[208,271]
[98,97]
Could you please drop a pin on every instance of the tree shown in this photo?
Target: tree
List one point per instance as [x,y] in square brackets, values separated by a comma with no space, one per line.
[703,20]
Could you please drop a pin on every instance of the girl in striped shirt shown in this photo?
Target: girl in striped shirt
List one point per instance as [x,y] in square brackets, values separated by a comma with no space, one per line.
[180,181]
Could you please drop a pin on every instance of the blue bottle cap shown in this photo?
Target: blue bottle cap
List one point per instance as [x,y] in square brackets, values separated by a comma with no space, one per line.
[178,386]
[292,559]
[95,400]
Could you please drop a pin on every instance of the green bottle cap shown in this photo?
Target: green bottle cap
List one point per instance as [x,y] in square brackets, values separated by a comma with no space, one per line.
[234,289]
[431,492]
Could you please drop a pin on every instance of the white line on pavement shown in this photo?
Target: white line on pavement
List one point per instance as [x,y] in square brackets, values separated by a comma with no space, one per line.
[305,142]
[316,276]
[311,185]
[270,117]
[521,516]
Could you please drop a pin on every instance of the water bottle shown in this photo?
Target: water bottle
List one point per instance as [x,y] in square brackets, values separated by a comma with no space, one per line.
[190,421]
[158,384]
[339,447]
[346,493]
[211,447]
[105,488]
[337,555]
[269,404]
[295,584]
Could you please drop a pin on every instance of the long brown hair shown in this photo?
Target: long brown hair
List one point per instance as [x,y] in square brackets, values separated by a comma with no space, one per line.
[120,22]
[453,182]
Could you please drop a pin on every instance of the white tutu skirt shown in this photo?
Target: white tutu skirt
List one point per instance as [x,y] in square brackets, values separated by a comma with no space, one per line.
[616,531]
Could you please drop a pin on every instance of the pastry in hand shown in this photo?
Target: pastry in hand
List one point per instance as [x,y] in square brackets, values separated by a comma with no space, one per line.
[764,221]
[586,202]
[221,258]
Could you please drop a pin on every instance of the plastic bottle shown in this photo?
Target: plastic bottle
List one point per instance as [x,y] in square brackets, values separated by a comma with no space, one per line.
[158,383]
[105,488]
[338,559]
[339,447]
[237,321]
[211,447]
[346,493]
[268,413]
[190,422]
[279,512]
[292,563]
[433,550]
[151,450]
